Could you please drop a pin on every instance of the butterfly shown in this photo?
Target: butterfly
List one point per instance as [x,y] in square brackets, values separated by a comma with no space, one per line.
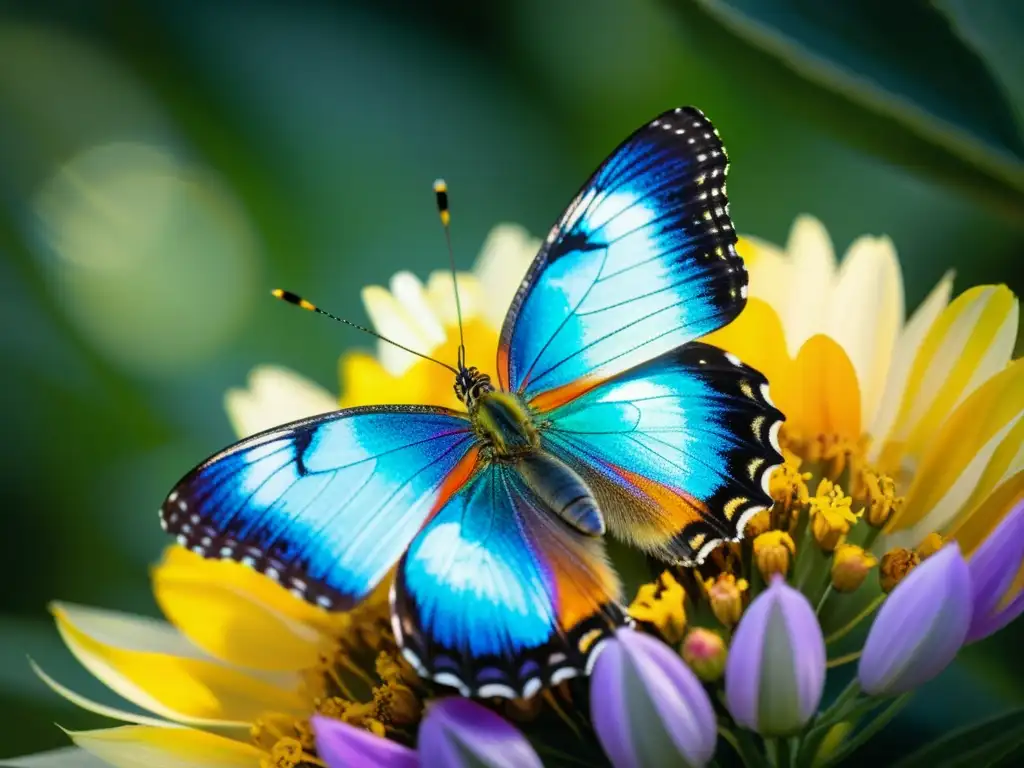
[608,417]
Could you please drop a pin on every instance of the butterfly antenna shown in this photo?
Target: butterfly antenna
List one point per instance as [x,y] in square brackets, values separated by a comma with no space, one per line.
[301,303]
[441,192]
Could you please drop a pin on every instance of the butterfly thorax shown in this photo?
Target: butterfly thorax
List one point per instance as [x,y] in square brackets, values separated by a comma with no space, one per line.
[505,424]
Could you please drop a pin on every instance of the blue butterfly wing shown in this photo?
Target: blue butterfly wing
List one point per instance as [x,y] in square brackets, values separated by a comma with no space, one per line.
[497,596]
[327,505]
[643,260]
[679,450]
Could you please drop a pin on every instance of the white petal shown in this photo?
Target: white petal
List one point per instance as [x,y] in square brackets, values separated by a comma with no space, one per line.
[275,396]
[391,319]
[813,267]
[68,757]
[441,295]
[501,266]
[865,315]
[129,631]
[408,291]
[903,357]
[769,270]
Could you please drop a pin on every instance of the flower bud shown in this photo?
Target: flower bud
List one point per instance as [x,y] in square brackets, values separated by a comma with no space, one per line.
[920,626]
[758,524]
[705,652]
[896,564]
[460,733]
[775,671]
[995,576]
[647,707]
[882,501]
[773,551]
[339,745]
[726,596]
[850,566]
[931,544]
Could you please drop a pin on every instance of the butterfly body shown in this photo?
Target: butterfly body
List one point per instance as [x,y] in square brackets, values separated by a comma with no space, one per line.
[609,417]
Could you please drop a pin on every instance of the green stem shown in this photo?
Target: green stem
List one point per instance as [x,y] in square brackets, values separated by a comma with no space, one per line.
[824,599]
[881,720]
[850,625]
[779,752]
[838,661]
[745,747]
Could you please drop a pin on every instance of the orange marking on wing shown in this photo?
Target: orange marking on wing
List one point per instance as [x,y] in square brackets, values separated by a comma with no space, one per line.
[503,376]
[553,398]
[457,478]
[583,583]
[680,508]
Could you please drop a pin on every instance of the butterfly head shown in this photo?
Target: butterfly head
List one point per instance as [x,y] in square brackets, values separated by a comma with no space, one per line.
[471,385]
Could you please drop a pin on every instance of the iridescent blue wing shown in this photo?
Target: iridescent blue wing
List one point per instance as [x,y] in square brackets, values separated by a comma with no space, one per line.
[679,451]
[642,261]
[497,596]
[327,505]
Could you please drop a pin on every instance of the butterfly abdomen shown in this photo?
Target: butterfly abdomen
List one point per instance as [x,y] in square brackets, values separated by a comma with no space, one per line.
[563,491]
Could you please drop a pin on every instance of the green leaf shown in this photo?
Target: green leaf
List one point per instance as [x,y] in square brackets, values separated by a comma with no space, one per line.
[901,61]
[992,29]
[981,744]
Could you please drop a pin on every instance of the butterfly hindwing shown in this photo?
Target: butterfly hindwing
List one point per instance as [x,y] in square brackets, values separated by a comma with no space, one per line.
[643,260]
[327,505]
[497,597]
[678,451]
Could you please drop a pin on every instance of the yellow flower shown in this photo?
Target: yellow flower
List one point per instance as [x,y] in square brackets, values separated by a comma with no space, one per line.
[933,404]
[725,593]
[661,604]
[831,516]
[232,676]
[773,551]
[850,566]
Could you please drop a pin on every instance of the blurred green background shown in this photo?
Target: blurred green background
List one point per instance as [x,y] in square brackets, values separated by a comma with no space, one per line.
[164,163]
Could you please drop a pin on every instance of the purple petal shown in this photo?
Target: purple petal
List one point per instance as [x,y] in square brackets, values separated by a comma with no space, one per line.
[455,728]
[647,706]
[920,627]
[994,566]
[341,745]
[775,671]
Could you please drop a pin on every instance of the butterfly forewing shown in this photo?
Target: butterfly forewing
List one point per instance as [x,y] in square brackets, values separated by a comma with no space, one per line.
[642,261]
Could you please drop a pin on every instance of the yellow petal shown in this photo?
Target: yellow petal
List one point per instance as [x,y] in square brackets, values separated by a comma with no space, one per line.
[237,615]
[140,746]
[821,394]
[970,342]
[275,396]
[95,707]
[812,276]
[768,269]
[910,340]
[977,449]
[865,314]
[181,688]
[756,338]
[390,318]
[364,381]
[501,266]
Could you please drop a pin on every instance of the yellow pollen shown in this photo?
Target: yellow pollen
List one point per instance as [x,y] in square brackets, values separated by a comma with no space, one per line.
[831,516]
[895,566]
[881,501]
[661,604]
[773,551]
[931,544]
[725,592]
